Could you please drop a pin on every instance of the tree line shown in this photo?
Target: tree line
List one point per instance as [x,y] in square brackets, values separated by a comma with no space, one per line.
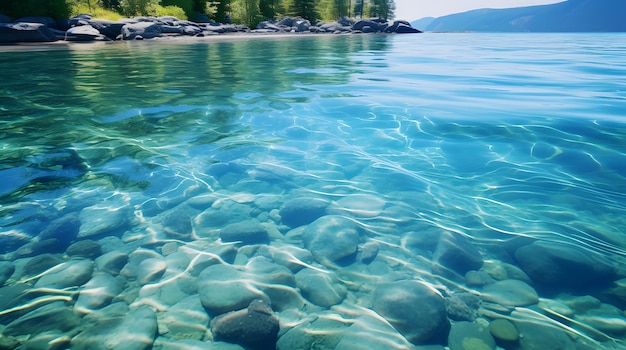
[249,12]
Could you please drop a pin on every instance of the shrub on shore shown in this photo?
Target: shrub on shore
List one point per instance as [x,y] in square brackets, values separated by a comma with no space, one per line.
[95,11]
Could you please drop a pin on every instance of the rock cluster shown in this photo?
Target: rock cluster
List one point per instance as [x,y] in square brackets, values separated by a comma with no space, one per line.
[343,25]
[288,279]
[85,28]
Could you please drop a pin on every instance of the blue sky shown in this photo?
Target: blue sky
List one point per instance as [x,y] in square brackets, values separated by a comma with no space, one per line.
[416,9]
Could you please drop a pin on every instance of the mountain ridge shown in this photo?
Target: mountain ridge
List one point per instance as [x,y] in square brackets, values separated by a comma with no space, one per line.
[567,16]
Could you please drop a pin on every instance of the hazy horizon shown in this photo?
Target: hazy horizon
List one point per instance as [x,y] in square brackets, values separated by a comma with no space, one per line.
[415,9]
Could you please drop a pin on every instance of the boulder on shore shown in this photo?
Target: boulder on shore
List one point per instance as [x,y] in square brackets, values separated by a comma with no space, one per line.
[84,33]
[84,27]
[141,30]
[25,32]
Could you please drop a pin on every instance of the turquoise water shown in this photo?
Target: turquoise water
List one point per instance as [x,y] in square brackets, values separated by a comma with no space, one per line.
[460,160]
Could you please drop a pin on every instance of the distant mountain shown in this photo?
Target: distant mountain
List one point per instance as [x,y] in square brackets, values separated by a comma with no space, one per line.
[567,16]
[422,23]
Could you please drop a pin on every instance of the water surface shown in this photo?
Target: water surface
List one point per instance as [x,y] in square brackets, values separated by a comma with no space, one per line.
[502,140]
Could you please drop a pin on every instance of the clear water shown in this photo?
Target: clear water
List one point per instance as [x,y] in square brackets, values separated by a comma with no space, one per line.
[492,137]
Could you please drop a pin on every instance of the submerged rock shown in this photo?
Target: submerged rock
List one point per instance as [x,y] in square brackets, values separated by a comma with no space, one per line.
[537,335]
[68,274]
[416,310]
[332,239]
[255,327]
[50,340]
[470,336]
[112,262]
[145,266]
[369,252]
[64,229]
[134,331]
[302,211]
[504,332]
[11,295]
[40,263]
[320,288]
[323,331]
[10,240]
[510,293]
[604,317]
[177,223]
[86,248]
[477,278]
[294,258]
[6,271]
[98,292]
[185,320]
[456,253]
[223,288]
[98,219]
[462,306]
[150,270]
[246,232]
[53,316]
[372,333]
[210,256]
[50,245]
[276,281]
[560,267]
[359,205]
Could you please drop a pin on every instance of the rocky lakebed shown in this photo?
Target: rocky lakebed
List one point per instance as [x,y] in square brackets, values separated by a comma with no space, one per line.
[234,270]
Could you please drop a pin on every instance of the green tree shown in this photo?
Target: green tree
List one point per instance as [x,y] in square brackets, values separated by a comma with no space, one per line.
[359,8]
[221,10]
[384,9]
[139,7]
[246,12]
[200,6]
[110,4]
[186,5]
[286,8]
[269,8]
[306,9]
[343,7]
[330,10]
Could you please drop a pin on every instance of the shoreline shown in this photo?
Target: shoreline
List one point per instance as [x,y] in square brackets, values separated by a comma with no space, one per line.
[84,28]
[217,38]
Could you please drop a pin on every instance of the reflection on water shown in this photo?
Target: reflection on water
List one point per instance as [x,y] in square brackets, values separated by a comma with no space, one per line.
[341,180]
